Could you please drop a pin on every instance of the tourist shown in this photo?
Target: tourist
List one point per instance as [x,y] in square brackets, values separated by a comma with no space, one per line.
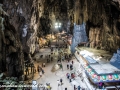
[71,66]
[58,82]
[49,56]
[79,87]
[61,81]
[72,75]
[72,62]
[68,60]
[67,65]
[68,75]
[41,56]
[40,73]
[47,60]
[74,87]
[48,86]
[58,60]
[40,68]
[62,58]
[70,79]
[61,66]
[65,88]
[43,64]
[100,85]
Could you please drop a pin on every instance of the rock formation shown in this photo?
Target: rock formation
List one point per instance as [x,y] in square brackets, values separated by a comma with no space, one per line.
[11,55]
[102,20]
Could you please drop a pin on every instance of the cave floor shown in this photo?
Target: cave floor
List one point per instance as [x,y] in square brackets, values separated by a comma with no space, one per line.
[52,77]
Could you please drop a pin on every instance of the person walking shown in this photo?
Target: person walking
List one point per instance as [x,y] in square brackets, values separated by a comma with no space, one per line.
[58,61]
[58,82]
[61,81]
[62,58]
[68,60]
[43,71]
[71,66]
[40,73]
[72,62]
[43,64]
[40,68]
[67,65]
[68,75]
[74,87]
[79,87]
[70,79]
[61,66]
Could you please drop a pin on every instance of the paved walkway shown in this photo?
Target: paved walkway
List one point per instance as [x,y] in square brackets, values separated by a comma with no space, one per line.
[52,77]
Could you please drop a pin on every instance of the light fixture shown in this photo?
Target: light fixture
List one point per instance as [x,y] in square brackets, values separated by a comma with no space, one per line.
[57,25]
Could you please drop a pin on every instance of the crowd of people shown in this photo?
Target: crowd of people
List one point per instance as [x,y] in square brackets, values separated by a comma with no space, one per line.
[62,57]
[40,70]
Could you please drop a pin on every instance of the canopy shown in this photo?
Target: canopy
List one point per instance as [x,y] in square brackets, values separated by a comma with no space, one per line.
[101,78]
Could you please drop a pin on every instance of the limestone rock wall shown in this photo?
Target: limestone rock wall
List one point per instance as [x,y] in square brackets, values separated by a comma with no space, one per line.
[102,20]
[25,22]
[34,18]
[18,39]
[11,55]
[95,37]
[25,15]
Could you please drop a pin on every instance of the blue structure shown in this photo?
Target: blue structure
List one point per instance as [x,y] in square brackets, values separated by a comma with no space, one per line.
[79,36]
[115,60]
[90,59]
